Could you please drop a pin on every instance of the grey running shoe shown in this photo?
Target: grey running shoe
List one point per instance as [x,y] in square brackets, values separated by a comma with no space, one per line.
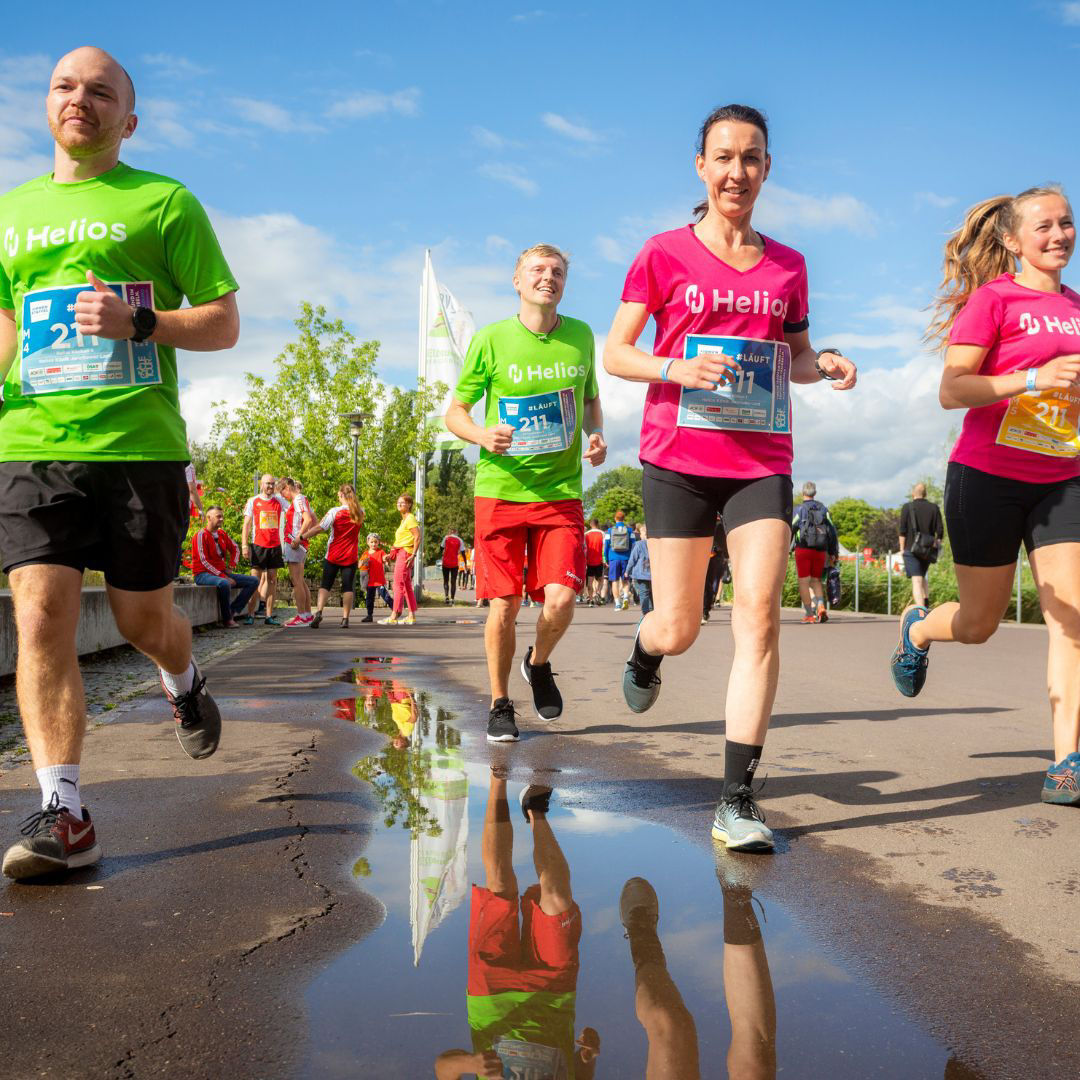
[501,726]
[638,904]
[908,663]
[640,684]
[547,701]
[740,824]
[534,800]
[55,840]
[198,722]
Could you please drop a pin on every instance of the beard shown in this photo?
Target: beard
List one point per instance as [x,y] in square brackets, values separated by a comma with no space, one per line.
[87,143]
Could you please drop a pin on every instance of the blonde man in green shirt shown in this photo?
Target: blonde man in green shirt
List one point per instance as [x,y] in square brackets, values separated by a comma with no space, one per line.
[96,260]
[537,372]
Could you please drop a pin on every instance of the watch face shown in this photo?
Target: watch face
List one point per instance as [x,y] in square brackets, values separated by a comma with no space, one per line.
[144,319]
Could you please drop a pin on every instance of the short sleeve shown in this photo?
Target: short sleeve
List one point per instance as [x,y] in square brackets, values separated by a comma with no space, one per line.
[476,372]
[409,522]
[798,313]
[328,520]
[979,321]
[192,251]
[644,279]
[249,507]
[7,294]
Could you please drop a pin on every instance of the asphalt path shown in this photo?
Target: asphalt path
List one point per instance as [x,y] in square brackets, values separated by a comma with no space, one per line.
[911,837]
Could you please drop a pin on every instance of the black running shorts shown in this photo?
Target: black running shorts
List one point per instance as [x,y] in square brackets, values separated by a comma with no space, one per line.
[681,505]
[266,558]
[914,566]
[125,518]
[988,516]
[330,572]
[596,571]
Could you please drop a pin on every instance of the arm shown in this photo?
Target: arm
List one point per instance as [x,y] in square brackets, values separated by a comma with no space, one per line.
[963,388]
[196,498]
[201,328]
[245,535]
[8,341]
[593,428]
[200,550]
[454,1064]
[805,360]
[312,530]
[495,439]
[904,526]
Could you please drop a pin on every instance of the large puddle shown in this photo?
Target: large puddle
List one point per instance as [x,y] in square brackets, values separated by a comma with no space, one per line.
[504,951]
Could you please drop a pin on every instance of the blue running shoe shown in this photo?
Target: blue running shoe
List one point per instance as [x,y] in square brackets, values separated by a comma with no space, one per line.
[908,663]
[1062,783]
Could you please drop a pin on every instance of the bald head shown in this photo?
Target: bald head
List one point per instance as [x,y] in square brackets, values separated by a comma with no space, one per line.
[89,57]
[918,491]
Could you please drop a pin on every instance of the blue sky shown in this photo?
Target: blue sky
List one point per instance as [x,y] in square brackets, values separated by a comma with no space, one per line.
[333,143]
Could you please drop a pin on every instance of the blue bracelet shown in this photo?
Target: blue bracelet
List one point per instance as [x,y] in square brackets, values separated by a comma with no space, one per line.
[666,368]
[1032,375]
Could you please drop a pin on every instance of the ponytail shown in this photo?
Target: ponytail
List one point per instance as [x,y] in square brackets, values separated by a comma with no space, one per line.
[356,513]
[976,254]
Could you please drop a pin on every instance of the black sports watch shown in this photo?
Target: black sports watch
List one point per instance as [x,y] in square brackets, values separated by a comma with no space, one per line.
[144,320]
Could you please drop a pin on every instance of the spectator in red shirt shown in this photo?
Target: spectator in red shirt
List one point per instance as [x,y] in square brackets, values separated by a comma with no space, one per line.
[452,546]
[342,551]
[261,540]
[213,561]
[594,561]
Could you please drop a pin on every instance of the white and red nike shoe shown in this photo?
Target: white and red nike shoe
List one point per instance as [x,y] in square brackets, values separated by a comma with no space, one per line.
[55,841]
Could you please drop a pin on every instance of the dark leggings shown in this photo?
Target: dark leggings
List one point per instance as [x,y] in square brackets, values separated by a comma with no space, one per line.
[330,572]
[449,581]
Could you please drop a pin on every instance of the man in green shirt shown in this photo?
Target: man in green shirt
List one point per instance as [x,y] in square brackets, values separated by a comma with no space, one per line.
[537,371]
[96,259]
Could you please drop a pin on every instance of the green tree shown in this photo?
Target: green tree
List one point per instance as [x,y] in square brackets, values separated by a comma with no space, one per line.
[290,424]
[618,498]
[622,476]
[850,517]
[882,532]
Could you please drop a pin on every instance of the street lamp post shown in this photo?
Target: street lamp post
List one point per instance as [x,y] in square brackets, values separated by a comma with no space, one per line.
[356,428]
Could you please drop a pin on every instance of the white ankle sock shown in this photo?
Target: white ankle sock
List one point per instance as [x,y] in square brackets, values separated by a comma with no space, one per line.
[63,781]
[179,684]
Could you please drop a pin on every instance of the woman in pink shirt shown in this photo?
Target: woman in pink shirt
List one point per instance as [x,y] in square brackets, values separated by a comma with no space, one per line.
[1013,361]
[727,451]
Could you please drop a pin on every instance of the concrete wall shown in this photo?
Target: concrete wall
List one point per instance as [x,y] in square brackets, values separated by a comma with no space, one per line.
[97,630]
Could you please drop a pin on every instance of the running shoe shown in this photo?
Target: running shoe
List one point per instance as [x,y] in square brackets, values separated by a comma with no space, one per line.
[809,619]
[198,722]
[705,618]
[908,663]
[390,620]
[822,613]
[410,619]
[248,620]
[638,905]
[232,624]
[56,840]
[297,620]
[270,620]
[640,684]
[547,701]
[501,726]
[740,824]
[618,605]
[315,620]
[368,618]
[1062,783]
[534,800]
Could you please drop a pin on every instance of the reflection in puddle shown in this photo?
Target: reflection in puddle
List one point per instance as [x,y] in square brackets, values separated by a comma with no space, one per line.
[527,939]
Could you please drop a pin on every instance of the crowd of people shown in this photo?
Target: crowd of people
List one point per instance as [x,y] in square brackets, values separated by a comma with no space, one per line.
[93,455]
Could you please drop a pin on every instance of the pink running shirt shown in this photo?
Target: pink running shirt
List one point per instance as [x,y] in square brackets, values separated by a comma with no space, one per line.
[688,290]
[1023,328]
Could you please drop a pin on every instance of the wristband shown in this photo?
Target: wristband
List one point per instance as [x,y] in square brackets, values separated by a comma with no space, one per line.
[666,368]
[818,368]
[1032,375]
[597,431]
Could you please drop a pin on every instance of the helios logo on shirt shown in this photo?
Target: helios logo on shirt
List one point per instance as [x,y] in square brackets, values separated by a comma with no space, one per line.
[558,370]
[1033,324]
[756,304]
[77,230]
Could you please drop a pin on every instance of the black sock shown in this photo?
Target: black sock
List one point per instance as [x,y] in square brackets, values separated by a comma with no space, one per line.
[740,762]
[741,926]
[644,659]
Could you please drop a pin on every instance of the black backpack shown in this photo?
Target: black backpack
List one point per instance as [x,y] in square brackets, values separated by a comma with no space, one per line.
[813,532]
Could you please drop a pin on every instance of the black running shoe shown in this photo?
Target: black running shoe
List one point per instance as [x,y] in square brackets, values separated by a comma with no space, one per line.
[198,722]
[501,726]
[316,619]
[547,701]
[534,800]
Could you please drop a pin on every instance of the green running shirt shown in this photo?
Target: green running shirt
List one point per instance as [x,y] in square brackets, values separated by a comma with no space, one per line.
[543,381]
[128,227]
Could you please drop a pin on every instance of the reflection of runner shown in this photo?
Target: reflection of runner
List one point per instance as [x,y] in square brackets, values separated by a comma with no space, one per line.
[342,523]
[538,374]
[1014,474]
[522,975]
[692,473]
[92,472]
[261,540]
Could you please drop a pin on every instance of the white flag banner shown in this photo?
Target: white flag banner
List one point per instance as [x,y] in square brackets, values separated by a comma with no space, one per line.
[439,876]
[446,328]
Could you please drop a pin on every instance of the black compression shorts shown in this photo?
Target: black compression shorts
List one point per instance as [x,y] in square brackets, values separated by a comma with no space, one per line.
[330,572]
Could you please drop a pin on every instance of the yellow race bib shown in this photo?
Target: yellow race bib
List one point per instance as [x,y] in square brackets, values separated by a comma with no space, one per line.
[1043,422]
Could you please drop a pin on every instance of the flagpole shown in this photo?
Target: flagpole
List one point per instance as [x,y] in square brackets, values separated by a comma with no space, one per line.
[421,457]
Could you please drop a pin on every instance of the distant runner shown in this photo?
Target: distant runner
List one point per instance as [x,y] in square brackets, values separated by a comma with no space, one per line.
[595,541]
[618,544]
[92,443]
[452,547]
[538,374]
[295,520]
[261,540]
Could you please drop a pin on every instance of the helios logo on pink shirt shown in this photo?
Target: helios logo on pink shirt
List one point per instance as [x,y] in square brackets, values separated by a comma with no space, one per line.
[1032,324]
[756,304]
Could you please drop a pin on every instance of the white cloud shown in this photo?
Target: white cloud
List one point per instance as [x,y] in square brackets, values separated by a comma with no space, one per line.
[490,140]
[162,119]
[173,66]
[1070,14]
[610,250]
[781,208]
[513,175]
[376,103]
[25,143]
[562,126]
[494,244]
[268,115]
[932,198]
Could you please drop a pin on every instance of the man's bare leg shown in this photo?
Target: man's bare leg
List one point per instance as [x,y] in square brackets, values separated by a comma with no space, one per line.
[154,625]
[553,622]
[500,643]
[497,842]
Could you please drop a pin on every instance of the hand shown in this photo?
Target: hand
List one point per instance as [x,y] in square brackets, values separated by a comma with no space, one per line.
[1059,373]
[497,439]
[839,368]
[588,1044]
[706,371]
[246,551]
[597,450]
[99,312]
[458,1063]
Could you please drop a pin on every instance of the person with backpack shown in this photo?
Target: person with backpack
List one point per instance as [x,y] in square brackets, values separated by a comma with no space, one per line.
[617,547]
[921,534]
[814,540]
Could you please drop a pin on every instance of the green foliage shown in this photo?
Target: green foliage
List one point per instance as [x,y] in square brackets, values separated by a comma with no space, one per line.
[628,477]
[618,498]
[850,517]
[448,502]
[881,533]
[290,425]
